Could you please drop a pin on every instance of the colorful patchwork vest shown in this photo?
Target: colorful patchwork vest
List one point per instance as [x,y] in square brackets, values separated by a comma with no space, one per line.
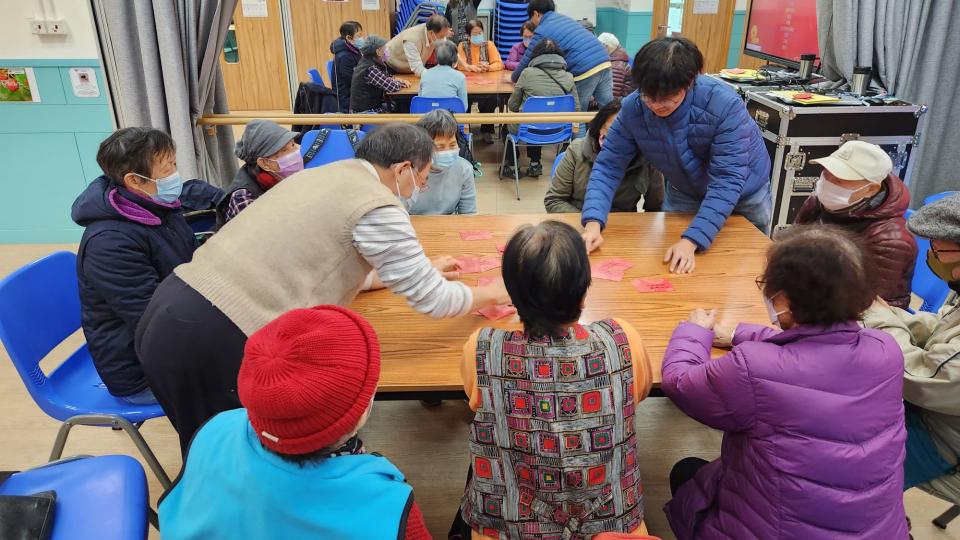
[553,445]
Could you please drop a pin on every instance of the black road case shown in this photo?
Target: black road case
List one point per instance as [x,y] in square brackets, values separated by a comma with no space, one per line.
[796,135]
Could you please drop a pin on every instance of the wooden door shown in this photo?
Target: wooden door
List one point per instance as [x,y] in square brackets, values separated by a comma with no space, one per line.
[711,33]
[255,77]
[317,24]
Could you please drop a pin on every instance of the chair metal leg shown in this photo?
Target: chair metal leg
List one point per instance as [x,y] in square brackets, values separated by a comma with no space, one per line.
[516,168]
[116,422]
[945,518]
[503,159]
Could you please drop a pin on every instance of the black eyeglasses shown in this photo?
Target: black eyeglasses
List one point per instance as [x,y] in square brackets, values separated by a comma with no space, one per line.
[761,283]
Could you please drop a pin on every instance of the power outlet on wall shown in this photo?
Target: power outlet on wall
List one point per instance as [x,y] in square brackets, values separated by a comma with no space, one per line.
[37,26]
[50,27]
[57,27]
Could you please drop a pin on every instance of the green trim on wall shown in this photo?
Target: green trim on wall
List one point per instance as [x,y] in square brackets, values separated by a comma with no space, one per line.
[736,38]
[631,28]
[50,62]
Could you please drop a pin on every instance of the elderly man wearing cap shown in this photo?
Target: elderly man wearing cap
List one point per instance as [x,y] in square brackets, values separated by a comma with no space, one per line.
[931,347]
[290,464]
[269,155]
[858,191]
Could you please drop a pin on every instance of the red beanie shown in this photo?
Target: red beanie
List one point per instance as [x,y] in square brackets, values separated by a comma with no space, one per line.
[308,377]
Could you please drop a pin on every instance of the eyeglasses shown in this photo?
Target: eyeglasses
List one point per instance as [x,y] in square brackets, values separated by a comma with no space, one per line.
[668,101]
[761,283]
[937,252]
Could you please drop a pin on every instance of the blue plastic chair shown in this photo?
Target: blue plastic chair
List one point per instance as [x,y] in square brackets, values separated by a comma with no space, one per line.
[556,163]
[102,498]
[424,104]
[39,309]
[331,72]
[315,76]
[539,134]
[938,196]
[337,147]
[201,221]
[933,290]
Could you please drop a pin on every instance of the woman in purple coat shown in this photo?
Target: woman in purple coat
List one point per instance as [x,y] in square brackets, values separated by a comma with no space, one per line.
[813,414]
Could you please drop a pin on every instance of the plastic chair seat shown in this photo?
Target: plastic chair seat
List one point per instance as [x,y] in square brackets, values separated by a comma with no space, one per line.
[102,498]
[556,163]
[331,73]
[336,148]
[315,76]
[539,134]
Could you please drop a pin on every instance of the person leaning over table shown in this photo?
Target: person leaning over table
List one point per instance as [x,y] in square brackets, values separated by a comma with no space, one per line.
[931,349]
[410,50]
[569,185]
[697,132]
[318,237]
[371,82]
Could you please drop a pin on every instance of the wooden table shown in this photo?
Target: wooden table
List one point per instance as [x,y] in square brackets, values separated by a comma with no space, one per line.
[489,83]
[421,354]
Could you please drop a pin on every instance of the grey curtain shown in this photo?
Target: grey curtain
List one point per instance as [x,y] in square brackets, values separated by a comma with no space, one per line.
[162,60]
[913,46]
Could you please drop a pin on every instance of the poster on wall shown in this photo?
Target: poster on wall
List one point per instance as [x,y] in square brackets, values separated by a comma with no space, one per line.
[706,7]
[369,5]
[18,84]
[254,8]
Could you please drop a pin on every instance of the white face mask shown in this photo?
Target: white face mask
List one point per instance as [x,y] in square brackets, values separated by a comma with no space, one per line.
[412,200]
[834,197]
[772,311]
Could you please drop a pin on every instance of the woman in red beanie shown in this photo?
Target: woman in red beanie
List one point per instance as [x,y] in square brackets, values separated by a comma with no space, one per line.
[289,464]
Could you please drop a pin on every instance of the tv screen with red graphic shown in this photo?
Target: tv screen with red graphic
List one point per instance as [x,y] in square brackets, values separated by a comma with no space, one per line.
[782,30]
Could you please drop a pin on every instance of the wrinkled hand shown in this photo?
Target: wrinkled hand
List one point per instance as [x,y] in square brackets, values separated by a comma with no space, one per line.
[473,69]
[701,317]
[681,257]
[592,237]
[448,266]
[404,84]
[722,338]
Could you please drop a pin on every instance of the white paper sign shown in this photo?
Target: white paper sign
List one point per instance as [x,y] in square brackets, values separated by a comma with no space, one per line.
[84,82]
[706,7]
[369,5]
[254,8]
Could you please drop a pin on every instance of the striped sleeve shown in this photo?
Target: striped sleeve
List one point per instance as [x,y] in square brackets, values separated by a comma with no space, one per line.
[386,239]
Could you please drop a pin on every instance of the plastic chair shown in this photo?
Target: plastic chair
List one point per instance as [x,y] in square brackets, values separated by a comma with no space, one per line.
[39,309]
[337,147]
[556,163]
[102,498]
[539,134]
[933,290]
[938,196]
[314,76]
[201,221]
[331,72]
[424,104]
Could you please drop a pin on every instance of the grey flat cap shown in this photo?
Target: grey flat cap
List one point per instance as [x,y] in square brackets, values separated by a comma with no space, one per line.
[372,44]
[939,220]
[262,138]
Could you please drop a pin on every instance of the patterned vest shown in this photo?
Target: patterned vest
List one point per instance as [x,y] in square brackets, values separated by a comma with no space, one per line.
[553,446]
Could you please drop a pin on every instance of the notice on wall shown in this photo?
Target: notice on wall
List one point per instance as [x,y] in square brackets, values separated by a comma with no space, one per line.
[706,7]
[17,84]
[84,82]
[369,5]
[254,8]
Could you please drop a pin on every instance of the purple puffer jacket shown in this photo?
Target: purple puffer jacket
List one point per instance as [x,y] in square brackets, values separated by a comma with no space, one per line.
[814,441]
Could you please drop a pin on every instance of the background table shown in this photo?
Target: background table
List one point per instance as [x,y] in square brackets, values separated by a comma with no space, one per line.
[421,354]
[489,83]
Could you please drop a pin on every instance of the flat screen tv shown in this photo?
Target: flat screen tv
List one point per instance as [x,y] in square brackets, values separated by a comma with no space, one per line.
[779,31]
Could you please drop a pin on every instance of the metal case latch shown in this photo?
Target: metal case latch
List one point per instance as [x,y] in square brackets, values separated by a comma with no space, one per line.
[847,137]
[795,161]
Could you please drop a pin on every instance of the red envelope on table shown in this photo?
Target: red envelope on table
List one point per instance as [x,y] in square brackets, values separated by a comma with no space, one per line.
[653,285]
[494,313]
[475,265]
[476,235]
[501,248]
[489,263]
[612,269]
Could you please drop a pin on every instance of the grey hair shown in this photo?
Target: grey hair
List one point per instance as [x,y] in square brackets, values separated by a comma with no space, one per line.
[446,54]
[438,123]
[395,143]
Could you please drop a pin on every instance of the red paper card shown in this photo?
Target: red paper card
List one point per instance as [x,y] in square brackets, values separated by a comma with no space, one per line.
[475,265]
[501,248]
[495,313]
[653,285]
[476,235]
[489,263]
[611,269]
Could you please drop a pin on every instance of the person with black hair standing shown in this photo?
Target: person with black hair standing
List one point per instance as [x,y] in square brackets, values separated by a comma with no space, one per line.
[697,132]
[346,51]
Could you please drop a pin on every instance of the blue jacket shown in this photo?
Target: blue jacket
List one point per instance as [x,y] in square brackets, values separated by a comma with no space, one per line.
[345,58]
[129,246]
[231,487]
[581,49]
[708,148]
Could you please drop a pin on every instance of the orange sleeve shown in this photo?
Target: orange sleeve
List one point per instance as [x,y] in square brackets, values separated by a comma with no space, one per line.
[493,56]
[468,371]
[461,57]
[642,372]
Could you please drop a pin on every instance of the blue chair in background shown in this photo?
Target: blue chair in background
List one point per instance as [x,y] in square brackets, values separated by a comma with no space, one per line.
[539,134]
[98,498]
[315,76]
[556,163]
[423,105]
[335,148]
[331,72]
[933,290]
[938,196]
[39,309]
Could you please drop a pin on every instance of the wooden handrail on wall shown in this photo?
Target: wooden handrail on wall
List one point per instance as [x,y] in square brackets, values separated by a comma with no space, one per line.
[335,119]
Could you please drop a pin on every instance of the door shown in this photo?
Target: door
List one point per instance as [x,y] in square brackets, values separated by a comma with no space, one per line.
[253,60]
[710,31]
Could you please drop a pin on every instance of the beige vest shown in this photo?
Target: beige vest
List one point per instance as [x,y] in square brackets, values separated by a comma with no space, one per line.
[292,248]
[398,59]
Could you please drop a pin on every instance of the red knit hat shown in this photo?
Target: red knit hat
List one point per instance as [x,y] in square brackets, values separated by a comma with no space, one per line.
[308,377]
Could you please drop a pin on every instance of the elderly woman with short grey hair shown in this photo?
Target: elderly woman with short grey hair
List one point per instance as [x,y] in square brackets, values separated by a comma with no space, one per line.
[452,190]
[443,80]
[319,237]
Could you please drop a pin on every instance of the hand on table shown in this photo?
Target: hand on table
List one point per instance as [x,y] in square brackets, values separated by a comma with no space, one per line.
[473,69]
[484,66]
[701,317]
[592,237]
[493,294]
[448,266]
[722,337]
[681,257]
[404,84]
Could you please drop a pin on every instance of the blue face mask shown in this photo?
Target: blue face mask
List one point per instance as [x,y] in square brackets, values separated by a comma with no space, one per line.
[359,42]
[478,39]
[526,41]
[168,189]
[443,160]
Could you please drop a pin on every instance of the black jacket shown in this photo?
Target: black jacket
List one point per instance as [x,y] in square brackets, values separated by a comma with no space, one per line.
[313,98]
[364,96]
[129,246]
[345,59]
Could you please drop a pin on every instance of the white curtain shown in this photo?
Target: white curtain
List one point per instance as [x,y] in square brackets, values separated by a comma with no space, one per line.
[161,58]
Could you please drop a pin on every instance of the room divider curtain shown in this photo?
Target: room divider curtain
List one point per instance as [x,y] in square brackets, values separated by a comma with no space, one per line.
[913,46]
[161,58]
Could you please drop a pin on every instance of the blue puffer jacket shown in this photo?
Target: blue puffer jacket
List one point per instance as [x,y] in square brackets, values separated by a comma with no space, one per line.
[581,49]
[129,246]
[708,148]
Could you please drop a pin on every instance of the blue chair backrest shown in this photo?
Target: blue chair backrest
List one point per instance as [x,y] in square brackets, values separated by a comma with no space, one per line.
[546,133]
[335,148]
[39,308]
[422,104]
[556,163]
[331,72]
[933,290]
[938,196]
[315,76]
